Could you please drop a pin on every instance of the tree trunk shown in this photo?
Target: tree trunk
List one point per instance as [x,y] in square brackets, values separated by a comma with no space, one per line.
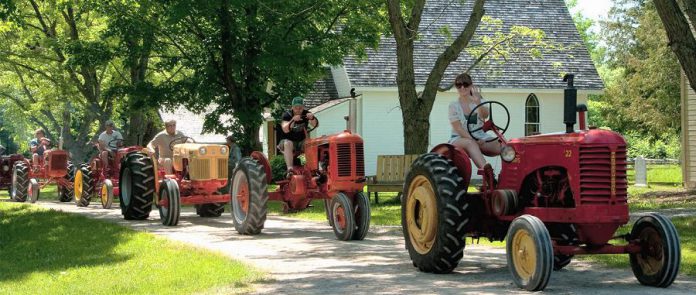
[681,36]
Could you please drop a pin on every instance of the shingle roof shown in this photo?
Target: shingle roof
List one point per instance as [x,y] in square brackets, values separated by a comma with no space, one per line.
[520,71]
[324,90]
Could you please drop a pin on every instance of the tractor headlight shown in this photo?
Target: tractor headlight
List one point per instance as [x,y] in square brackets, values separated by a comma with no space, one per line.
[5,168]
[508,153]
[223,150]
[202,151]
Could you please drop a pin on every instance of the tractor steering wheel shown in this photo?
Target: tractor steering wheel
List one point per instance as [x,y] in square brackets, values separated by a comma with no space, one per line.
[307,128]
[181,139]
[113,144]
[488,125]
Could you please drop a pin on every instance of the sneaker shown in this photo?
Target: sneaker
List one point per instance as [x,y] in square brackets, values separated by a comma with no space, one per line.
[488,170]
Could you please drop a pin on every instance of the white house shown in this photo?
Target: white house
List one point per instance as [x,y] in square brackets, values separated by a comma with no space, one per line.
[531,89]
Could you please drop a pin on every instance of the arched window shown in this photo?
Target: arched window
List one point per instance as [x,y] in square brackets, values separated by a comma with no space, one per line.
[531,115]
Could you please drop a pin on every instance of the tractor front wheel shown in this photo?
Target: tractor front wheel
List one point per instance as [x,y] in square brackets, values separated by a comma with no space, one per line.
[34,190]
[20,182]
[657,263]
[169,192]
[361,211]
[106,194]
[434,214]
[249,197]
[136,186]
[210,210]
[529,253]
[343,217]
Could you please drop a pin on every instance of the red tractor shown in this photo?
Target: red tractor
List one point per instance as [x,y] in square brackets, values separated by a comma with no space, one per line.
[334,171]
[29,178]
[557,195]
[93,178]
[6,164]
[199,172]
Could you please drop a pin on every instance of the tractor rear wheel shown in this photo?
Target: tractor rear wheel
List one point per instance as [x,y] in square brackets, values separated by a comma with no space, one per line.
[361,211]
[657,263]
[83,186]
[434,214]
[210,210]
[34,190]
[20,182]
[169,192]
[106,194]
[65,193]
[249,197]
[529,253]
[136,186]
[343,217]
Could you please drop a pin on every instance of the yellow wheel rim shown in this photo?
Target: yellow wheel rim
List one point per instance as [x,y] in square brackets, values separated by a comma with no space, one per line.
[421,214]
[104,195]
[78,185]
[524,254]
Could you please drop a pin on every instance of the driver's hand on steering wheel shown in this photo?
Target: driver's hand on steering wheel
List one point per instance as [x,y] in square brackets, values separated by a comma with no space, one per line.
[297,118]
[310,116]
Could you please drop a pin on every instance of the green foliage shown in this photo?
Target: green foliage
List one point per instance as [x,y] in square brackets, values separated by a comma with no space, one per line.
[642,76]
[667,146]
[278,167]
[51,252]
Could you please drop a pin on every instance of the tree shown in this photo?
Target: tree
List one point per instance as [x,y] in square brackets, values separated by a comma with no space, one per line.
[241,57]
[405,28]
[645,96]
[674,15]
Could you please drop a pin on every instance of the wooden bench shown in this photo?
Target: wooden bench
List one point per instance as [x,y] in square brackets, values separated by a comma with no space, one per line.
[390,175]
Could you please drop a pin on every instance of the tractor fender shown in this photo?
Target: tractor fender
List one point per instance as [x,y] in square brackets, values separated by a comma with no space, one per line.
[259,157]
[459,157]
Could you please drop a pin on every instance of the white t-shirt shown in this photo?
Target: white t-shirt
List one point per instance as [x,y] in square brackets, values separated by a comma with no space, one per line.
[106,138]
[456,113]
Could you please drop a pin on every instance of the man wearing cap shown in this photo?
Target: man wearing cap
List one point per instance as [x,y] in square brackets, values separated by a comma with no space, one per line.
[295,122]
[39,146]
[162,142]
[109,141]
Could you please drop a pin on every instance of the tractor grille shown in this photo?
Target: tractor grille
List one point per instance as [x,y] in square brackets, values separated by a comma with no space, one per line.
[58,162]
[344,168]
[359,160]
[603,175]
[199,169]
[222,168]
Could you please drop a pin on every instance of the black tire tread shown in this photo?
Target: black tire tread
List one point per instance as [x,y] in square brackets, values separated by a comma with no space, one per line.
[258,197]
[141,200]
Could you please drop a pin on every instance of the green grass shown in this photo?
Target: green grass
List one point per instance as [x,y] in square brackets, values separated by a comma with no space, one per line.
[660,174]
[49,252]
[686,227]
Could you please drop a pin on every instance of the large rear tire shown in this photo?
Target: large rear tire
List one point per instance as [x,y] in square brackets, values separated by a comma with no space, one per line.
[434,214]
[136,186]
[65,193]
[210,210]
[529,253]
[249,197]
[20,182]
[169,191]
[657,264]
[83,186]
[361,211]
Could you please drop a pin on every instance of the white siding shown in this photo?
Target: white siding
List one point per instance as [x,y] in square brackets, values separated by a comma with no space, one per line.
[331,120]
[688,132]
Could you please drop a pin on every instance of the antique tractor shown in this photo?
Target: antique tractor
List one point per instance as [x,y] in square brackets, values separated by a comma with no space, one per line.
[199,172]
[557,195]
[29,178]
[334,171]
[93,176]
[6,164]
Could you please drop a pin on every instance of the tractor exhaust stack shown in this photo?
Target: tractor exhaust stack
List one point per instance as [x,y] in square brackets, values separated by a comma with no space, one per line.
[570,95]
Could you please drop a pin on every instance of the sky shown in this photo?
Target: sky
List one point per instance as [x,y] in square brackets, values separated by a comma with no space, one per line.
[594,9]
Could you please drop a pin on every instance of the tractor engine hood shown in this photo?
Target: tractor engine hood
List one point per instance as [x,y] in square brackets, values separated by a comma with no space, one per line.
[200,150]
[592,136]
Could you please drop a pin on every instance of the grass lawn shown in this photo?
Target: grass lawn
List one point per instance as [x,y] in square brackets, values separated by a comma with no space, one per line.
[49,252]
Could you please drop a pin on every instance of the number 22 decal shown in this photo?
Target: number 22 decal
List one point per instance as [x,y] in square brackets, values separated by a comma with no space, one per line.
[568,153]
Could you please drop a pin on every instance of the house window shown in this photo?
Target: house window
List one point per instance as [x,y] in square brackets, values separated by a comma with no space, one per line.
[531,116]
